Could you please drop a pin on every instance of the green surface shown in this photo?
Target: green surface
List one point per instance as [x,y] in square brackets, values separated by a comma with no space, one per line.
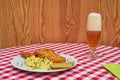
[113,68]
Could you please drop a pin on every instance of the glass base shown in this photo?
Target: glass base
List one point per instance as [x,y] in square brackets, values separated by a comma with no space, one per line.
[92,56]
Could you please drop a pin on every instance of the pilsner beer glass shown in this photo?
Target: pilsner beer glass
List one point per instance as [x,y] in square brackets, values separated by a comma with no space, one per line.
[93,33]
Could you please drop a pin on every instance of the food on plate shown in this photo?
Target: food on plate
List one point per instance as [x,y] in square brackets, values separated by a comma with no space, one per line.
[45,53]
[49,54]
[45,59]
[62,65]
[26,54]
[36,62]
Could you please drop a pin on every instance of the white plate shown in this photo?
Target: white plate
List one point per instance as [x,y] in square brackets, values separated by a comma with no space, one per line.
[18,62]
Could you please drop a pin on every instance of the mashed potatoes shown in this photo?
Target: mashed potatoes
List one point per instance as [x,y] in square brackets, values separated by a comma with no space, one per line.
[35,62]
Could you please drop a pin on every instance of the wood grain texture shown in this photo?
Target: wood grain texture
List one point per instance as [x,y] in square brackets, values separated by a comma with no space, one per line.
[25,22]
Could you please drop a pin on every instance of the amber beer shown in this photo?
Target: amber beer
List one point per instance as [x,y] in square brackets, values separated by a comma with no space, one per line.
[93,29]
[93,37]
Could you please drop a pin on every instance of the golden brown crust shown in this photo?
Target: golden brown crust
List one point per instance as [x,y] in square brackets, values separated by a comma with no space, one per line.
[43,52]
[26,54]
[49,54]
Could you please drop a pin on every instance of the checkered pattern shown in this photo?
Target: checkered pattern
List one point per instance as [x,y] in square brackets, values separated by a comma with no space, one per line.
[86,69]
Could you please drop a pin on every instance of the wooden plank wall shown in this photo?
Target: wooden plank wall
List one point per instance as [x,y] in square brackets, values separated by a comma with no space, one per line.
[25,22]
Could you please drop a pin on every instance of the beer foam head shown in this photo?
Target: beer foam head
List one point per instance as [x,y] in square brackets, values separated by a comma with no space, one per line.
[94,22]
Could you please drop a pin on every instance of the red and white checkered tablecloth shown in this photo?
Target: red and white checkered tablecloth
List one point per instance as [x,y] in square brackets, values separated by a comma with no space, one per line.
[86,69]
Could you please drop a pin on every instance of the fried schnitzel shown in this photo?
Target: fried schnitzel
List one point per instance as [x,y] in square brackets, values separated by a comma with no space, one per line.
[49,54]
[45,53]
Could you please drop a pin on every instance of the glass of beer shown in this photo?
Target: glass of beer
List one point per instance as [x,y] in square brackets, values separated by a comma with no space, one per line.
[93,33]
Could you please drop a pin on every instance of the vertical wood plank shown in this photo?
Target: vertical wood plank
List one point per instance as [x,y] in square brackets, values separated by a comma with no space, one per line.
[70,19]
[25,22]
